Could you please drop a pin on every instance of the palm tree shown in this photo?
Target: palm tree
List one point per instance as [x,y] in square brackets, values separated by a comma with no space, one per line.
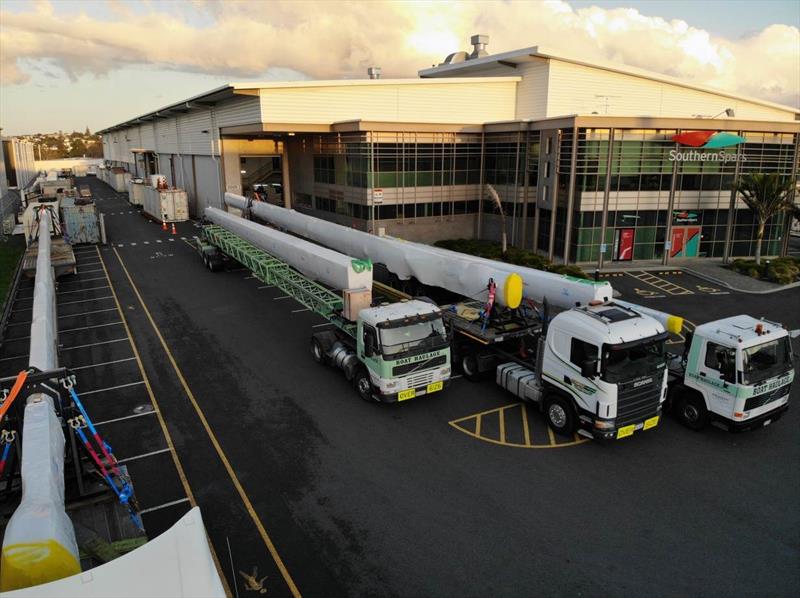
[766,195]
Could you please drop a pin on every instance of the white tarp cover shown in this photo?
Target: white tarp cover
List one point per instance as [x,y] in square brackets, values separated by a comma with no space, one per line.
[177,563]
[39,542]
[457,272]
[321,264]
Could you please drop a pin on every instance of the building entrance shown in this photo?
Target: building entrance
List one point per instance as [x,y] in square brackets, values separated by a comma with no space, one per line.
[262,178]
[623,244]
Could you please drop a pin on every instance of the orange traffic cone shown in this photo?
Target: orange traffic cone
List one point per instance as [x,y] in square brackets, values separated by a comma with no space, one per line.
[174,232]
[164,225]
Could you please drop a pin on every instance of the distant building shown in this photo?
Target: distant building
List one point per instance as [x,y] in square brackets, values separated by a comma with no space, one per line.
[591,160]
[18,162]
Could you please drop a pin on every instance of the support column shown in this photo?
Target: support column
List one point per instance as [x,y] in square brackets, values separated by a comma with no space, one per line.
[286,176]
[606,194]
[726,254]
[480,186]
[571,194]
[787,229]
[551,243]
[670,207]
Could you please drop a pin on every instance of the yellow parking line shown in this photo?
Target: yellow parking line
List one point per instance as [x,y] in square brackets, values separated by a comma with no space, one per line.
[175,459]
[552,438]
[525,430]
[478,425]
[223,457]
[502,416]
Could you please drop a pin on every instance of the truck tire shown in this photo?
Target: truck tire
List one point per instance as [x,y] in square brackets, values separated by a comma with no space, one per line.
[363,384]
[560,415]
[690,409]
[317,351]
[469,366]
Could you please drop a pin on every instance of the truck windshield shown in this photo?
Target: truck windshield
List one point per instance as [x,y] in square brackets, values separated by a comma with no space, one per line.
[628,361]
[767,360]
[422,336]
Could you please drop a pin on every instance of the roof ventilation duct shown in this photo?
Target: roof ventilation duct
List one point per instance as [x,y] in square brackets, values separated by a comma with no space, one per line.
[479,43]
[374,72]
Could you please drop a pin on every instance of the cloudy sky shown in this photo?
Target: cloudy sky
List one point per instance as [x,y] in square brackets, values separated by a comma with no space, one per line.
[65,65]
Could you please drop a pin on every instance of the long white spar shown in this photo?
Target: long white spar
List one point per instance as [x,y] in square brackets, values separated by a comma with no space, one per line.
[321,264]
[457,272]
[39,544]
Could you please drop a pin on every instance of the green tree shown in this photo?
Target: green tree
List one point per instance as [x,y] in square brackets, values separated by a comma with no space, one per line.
[766,195]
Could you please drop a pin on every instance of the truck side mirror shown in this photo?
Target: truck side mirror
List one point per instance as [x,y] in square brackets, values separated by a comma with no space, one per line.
[589,368]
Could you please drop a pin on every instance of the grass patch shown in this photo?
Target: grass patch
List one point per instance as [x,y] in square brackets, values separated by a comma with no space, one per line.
[782,270]
[10,252]
[519,257]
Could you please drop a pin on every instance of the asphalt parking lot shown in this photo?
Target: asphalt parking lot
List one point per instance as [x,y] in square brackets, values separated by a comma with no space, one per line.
[462,493]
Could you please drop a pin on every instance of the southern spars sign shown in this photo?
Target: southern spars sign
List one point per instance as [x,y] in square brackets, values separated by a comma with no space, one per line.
[706,140]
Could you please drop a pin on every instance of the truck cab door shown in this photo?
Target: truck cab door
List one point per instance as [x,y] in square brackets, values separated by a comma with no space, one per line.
[717,376]
[369,349]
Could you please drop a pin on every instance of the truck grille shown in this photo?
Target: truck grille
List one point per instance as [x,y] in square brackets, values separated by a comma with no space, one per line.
[399,370]
[418,380]
[767,397]
[635,403]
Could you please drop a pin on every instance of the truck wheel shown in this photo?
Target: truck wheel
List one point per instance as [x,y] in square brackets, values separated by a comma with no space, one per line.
[317,352]
[691,411]
[363,384]
[469,366]
[560,415]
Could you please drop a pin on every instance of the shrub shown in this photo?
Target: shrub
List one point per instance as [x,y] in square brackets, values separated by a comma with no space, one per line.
[783,270]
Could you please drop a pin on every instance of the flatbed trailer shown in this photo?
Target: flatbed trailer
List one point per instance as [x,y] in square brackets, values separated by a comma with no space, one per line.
[359,344]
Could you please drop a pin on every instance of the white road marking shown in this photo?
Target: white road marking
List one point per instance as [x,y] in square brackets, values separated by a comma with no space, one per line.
[165,505]
[93,392]
[134,458]
[97,365]
[119,419]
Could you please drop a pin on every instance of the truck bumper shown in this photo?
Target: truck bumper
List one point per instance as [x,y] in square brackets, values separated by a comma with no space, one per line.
[405,395]
[759,421]
[621,432]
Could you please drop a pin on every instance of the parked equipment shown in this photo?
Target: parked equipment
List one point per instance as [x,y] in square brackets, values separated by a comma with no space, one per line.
[165,205]
[595,368]
[736,372]
[389,352]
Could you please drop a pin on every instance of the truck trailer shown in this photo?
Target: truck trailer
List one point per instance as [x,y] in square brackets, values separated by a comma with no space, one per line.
[390,352]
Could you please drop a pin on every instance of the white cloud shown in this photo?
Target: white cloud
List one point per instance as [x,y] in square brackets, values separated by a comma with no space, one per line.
[340,39]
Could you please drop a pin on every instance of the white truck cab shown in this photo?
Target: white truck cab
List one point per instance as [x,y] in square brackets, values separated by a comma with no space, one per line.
[610,360]
[737,371]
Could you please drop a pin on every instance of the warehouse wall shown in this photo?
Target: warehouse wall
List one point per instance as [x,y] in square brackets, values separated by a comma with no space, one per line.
[573,89]
[209,181]
[422,102]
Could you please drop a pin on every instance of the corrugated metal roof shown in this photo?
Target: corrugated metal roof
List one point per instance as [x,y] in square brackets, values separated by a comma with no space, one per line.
[525,54]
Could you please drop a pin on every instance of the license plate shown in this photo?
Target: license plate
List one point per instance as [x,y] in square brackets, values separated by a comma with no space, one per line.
[625,431]
[651,423]
[434,386]
[406,394]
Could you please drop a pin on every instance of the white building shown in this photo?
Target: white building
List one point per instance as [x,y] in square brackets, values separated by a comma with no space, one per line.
[581,153]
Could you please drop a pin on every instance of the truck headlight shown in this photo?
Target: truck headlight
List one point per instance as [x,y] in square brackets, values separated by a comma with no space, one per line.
[445,371]
[391,384]
[604,424]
